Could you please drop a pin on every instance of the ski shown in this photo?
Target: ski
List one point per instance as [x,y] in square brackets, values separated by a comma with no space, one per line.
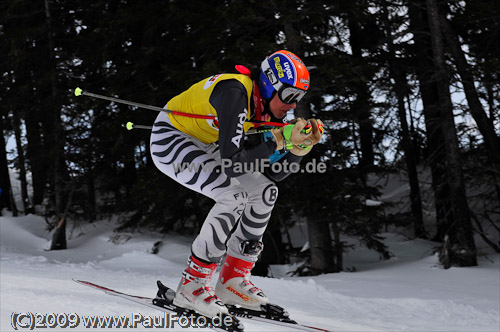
[165,306]
[266,317]
[271,313]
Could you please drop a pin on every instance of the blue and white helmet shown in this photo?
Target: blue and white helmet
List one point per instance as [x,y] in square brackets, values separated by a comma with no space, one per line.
[286,74]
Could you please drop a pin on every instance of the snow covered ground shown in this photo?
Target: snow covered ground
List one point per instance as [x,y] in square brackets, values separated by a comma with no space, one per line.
[410,292]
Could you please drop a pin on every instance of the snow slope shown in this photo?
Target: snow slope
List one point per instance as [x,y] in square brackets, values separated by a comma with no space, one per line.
[407,293]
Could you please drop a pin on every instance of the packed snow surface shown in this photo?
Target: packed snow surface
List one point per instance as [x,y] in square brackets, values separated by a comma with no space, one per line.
[409,292]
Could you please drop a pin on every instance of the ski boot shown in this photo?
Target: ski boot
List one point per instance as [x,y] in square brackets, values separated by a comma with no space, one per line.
[233,285]
[194,291]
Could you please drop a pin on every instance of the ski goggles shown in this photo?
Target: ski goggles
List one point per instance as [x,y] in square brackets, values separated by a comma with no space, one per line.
[286,93]
[289,94]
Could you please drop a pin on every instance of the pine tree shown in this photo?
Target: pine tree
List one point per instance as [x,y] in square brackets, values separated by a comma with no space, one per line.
[398,72]
[459,247]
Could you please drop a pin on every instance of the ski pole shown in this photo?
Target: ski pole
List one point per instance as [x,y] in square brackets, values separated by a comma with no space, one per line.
[80,92]
[130,125]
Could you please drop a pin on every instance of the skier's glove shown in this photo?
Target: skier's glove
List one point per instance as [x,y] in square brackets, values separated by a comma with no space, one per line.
[302,136]
[317,130]
[278,138]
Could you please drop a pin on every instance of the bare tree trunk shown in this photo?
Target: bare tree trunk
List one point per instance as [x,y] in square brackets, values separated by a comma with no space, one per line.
[462,249]
[59,236]
[21,163]
[338,249]
[320,243]
[36,158]
[55,140]
[435,158]
[55,131]
[6,199]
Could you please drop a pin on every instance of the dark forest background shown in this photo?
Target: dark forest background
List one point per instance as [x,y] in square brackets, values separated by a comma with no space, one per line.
[403,87]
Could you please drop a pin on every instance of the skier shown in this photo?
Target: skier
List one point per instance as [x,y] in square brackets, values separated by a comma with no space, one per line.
[227,171]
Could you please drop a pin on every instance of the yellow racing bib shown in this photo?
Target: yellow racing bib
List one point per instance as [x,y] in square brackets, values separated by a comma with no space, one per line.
[196,100]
